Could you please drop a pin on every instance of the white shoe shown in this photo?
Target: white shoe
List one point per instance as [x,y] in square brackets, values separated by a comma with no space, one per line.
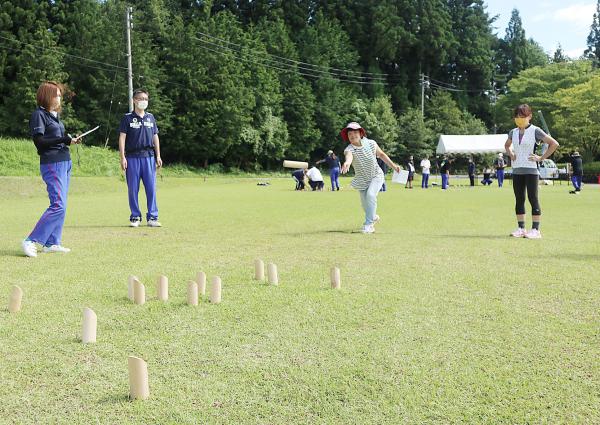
[135,222]
[29,248]
[56,248]
[534,234]
[154,223]
[519,233]
[368,228]
[376,219]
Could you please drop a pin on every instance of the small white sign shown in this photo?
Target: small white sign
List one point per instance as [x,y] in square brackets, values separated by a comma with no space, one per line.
[401,177]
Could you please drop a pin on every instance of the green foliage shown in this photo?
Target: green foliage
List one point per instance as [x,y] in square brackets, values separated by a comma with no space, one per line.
[593,40]
[444,117]
[414,136]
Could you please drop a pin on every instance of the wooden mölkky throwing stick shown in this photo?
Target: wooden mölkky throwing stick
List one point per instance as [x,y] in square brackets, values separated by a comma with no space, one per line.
[192,293]
[336,279]
[215,290]
[14,299]
[201,281]
[138,378]
[139,292]
[259,269]
[90,325]
[162,288]
[130,284]
[295,164]
[273,275]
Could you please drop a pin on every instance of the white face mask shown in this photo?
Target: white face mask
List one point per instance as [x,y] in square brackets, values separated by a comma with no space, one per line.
[142,104]
[58,99]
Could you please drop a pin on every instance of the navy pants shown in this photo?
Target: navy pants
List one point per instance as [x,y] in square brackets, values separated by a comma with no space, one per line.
[500,177]
[143,169]
[334,176]
[445,181]
[48,230]
[576,180]
[425,181]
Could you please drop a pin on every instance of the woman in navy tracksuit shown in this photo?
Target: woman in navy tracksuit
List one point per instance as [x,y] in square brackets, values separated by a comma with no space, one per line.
[52,144]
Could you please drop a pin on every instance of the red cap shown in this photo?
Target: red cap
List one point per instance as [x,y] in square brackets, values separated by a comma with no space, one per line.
[352,126]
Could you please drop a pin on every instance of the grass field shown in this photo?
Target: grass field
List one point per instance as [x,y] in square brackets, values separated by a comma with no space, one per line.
[442,318]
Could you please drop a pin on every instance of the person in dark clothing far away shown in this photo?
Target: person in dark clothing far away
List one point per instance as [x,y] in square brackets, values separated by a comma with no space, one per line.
[576,172]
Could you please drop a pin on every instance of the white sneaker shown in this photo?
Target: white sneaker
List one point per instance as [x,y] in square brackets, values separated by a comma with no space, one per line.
[29,248]
[135,222]
[534,234]
[154,223]
[56,248]
[519,233]
[368,228]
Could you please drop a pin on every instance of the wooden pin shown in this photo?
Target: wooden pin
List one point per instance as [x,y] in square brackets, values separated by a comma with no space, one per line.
[201,281]
[162,288]
[90,324]
[192,293]
[130,285]
[139,292]
[215,290]
[14,300]
[259,269]
[138,378]
[336,280]
[273,276]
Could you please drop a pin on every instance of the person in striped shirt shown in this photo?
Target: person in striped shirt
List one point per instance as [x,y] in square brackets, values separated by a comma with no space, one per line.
[362,154]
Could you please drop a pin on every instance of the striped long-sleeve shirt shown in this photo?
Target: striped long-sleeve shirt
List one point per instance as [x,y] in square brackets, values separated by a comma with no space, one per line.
[364,163]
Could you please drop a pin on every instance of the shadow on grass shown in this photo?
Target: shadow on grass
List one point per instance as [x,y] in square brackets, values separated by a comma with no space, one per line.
[12,253]
[320,232]
[117,398]
[463,236]
[97,226]
[578,257]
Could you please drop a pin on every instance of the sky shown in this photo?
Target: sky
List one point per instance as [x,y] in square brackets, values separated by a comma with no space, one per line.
[549,22]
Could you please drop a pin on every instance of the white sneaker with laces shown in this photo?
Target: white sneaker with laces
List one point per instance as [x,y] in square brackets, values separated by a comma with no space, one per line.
[154,223]
[368,228]
[519,233]
[29,248]
[56,248]
[135,222]
[534,234]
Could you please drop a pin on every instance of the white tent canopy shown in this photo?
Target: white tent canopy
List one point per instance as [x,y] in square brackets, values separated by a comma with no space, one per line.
[485,143]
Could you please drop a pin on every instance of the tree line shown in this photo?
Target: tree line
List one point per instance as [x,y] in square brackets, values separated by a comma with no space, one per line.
[246,83]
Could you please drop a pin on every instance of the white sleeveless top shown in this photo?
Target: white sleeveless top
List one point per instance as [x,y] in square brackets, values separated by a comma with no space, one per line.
[364,163]
[524,148]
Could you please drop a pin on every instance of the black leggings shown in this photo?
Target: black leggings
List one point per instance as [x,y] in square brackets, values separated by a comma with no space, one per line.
[521,184]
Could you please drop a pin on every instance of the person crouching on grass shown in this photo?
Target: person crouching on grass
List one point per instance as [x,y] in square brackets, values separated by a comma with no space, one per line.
[520,146]
[362,154]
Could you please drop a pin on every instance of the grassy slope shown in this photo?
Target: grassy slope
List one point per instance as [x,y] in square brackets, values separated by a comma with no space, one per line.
[442,318]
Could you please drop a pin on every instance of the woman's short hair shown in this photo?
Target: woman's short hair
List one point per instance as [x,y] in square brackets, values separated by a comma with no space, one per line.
[47,91]
[523,110]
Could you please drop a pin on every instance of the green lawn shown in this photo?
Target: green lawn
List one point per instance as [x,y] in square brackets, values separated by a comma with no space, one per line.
[442,318]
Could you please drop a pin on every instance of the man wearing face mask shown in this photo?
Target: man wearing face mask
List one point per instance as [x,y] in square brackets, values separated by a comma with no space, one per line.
[139,149]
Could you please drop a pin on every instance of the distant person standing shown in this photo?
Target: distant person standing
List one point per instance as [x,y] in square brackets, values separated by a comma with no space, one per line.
[487,176]
[576,172]
[520,146]
[139,148]
[445,172]
[333,163]
[410,166]
[384,168]
[52,144]
[425,167]
[471,172]
[499,165]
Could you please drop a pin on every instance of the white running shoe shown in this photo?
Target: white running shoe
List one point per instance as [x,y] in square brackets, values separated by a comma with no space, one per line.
[135,222]
[519,233]
[29,248]
[534,234]
[368,228]
[56,248]
[154,223]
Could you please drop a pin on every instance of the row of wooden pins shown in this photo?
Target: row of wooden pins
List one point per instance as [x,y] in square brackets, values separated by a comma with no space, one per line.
[136,291]
[273,277]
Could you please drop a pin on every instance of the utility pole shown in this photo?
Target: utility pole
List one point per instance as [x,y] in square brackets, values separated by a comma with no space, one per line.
[423,84]
[129,25]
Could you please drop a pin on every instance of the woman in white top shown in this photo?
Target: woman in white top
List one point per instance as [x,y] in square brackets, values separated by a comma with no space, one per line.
[520,146]
[362,154]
